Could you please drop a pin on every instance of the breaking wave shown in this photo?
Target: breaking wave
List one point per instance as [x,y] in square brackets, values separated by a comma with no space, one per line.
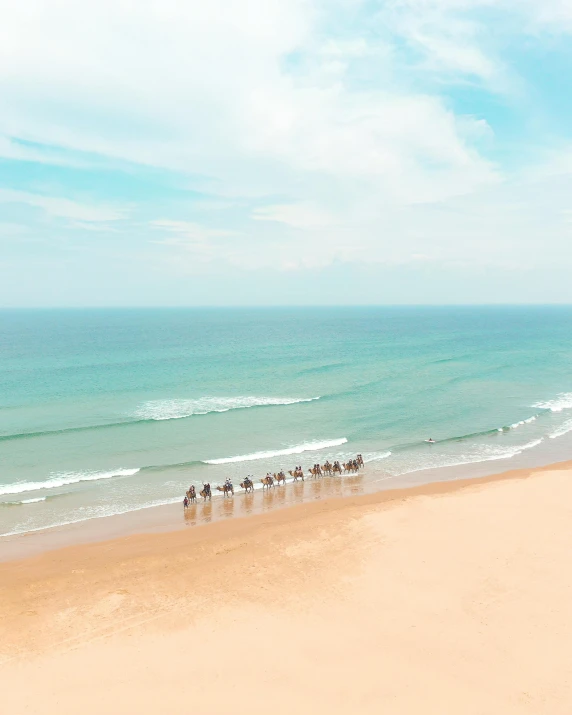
[63,479]
[516,425]
[563,401]
[562,430]
[297,449]
[374,456]
[482,453]
[178,409]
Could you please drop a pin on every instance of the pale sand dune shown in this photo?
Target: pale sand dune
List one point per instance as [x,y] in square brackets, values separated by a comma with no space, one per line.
[458,601]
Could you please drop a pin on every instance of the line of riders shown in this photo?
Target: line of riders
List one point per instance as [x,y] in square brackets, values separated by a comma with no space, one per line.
[270,480]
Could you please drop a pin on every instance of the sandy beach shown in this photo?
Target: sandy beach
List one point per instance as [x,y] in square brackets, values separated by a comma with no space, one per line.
[448,598]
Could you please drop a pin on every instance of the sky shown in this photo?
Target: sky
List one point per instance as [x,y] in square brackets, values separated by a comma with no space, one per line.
[263,152]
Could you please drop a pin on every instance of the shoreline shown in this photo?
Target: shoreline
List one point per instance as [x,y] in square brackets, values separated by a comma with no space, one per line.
[168,515]
[163,519]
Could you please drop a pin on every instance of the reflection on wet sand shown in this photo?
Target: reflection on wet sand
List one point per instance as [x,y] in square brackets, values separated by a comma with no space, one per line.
[333,486]
[242,504]
[207,511]
[297,491]
[280,496]
[355,483]
[268,499]
[191,515]
[228,507]
[248,503]
[317,489]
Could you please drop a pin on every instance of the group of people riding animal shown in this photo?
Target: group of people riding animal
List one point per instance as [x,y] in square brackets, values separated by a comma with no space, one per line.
[318,470]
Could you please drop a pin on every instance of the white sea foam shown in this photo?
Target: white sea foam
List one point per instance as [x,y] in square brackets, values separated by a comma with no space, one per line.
[297,449]
[516,425]
[63,479]
[563,401]
[374,456]
[178,409]
[562,430]
[95,513]
[482,454]
[32,501]
[522,422]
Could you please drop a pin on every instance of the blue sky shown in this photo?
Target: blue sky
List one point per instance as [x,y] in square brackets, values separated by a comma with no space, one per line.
[273,152]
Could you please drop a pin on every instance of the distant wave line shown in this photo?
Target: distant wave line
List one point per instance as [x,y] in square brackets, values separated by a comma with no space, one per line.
[160,410]
[268,402]
[469,435]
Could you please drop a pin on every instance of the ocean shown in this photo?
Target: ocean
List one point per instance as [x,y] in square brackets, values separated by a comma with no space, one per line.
[110,411]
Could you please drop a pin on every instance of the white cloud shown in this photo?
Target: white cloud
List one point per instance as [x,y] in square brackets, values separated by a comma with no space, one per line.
[204,88]
[63,207]
[189,239]
[330,145]
[190,230]
[295,215]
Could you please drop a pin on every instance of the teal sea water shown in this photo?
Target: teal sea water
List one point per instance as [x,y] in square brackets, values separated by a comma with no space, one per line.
[109,411]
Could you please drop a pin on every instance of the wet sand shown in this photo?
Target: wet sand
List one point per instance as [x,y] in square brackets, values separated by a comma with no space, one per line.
[170,517]
[444,598]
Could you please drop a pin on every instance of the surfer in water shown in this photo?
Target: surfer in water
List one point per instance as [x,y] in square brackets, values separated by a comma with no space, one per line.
[430,440]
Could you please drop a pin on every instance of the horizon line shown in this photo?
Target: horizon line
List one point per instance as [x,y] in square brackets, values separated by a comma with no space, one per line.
[284,305]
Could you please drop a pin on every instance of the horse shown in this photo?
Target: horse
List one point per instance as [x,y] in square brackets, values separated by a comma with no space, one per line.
[226,489]
[247,485]
[280,478]
[267,482]
[192,494]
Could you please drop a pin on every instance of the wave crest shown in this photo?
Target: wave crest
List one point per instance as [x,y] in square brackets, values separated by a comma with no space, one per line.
[516,425]
[375,456]
[297,449]
[563,401]
[562,430]
[62,480]
[178,409]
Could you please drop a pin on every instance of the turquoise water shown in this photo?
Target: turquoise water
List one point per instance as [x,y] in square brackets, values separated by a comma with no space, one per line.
[108,411]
